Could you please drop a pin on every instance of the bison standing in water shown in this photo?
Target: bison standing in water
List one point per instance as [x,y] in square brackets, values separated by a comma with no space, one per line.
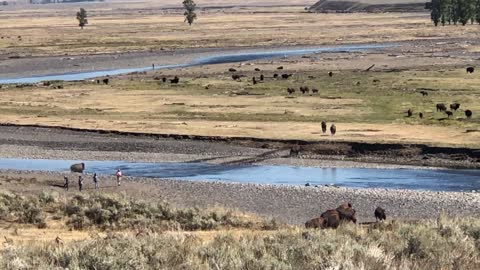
[78,167]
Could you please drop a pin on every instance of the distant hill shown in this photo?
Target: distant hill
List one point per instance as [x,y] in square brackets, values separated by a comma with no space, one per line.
[369,6]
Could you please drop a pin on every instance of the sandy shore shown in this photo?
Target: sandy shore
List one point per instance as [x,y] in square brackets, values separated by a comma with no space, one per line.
[289,204]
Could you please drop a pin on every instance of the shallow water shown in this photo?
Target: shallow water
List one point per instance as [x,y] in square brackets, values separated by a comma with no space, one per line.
[434,180]
[215,58]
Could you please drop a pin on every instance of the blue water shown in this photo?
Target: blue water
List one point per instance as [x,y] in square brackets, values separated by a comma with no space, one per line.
[219,58]
[434,180]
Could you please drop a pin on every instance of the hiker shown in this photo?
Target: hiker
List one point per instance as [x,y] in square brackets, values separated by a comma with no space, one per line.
[80,183]
[65,185]
[95,180]
[119,176]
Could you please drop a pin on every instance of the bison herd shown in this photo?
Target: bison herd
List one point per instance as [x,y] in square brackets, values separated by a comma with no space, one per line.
[342,214]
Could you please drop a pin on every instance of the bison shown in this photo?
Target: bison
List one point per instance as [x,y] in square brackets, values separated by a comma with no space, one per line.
[78,167]
[290,90]
[257,69]
[409,113]
[105,81]
[175,80]
[424,93]
[262,77]
[449,113]
[254,80]
[454,106]
[316,223]
[468,113]
[280,67]
[286,76]
[380,214]
[330,74]
[236,77]
[164,79]
[343,213]
[232,70]
[314,90]
[470,69]
[441,107]
[333,129]
[420,115]
[304,89]
[275,75]
[324,127]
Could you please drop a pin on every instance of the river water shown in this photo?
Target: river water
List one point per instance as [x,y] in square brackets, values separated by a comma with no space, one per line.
[434,180]
[213,58]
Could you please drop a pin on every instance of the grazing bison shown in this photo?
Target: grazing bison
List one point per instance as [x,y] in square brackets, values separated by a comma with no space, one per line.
[470,69]
[286,76]
[449,113]
[441,107]
[324,127]
[254,81]
[316,223]
[232,70]
[333,129]
[409,113]
[236,77]
[330,74]
[280,67]
[262,77]
[420,115]
[290,90]
[304,89]
[333,218]
[78,167]
[454,106]
[275,75]
[380,214]
[424,93]
[106,81]
[164,79]
[315,90]
[175,80]
[257,69]
[468,113]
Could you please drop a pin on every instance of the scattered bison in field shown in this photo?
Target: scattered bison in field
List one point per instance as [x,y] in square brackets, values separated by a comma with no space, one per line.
[257,69]
[441,107]
[449,113]
[468,113]
[454,106]
[78,167]
[275,75]
[286,76]
[314,90]
[304,89]
[236,77]
[332,218]
[254,81]
[106,81]
[409,113]
[290,90]
[330,74]
[420,115]
[280,67]
[232,70]
[333,129]
[380,214]
[424,93]
[470,69]
[164,79]
[262,77]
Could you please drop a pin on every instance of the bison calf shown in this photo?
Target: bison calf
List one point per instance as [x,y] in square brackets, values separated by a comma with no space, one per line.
[316,223]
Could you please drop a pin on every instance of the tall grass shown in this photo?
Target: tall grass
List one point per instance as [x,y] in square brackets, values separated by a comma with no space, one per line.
[440,244]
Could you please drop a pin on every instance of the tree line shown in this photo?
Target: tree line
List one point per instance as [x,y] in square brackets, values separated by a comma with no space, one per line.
[454,11]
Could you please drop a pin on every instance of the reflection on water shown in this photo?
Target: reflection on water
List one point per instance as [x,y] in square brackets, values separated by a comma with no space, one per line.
[437,180]
[217,58]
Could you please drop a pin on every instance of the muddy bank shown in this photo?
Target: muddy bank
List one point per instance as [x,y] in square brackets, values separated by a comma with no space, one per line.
[71,143]
[290,204]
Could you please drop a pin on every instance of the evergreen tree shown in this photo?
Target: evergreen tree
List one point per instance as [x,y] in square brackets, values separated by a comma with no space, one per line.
[190,14]
[436,11]
[82,18]
[477,11]
[455,11]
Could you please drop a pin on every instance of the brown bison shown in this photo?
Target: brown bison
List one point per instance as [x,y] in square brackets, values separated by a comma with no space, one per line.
[290,90]
[441,107]
[106,81]
[449,113]
[424,93]
[454,106]
[314,90]
[236,77]
[262,77]
[175,80]
[333,129]
[78,167]
[316,223]
[420,115]
[468,113]
[470,69]
[257,69]
[333,217]
[330,74]
[232,70]
[304,89]
[380,214]
[164,79]
[409,113]
[324,127]
[280,67]
[286,76]
[275,75]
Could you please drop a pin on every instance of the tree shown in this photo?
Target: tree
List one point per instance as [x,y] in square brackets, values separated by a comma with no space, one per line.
[477,11]
[82,17]
[190,14]
[436,12]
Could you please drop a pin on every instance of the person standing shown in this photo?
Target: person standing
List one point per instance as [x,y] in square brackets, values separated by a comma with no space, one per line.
[80,183]
[65,185]
[119,176]
[95,180]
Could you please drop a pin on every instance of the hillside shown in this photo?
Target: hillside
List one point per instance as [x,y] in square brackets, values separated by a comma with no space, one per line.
[369,6]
